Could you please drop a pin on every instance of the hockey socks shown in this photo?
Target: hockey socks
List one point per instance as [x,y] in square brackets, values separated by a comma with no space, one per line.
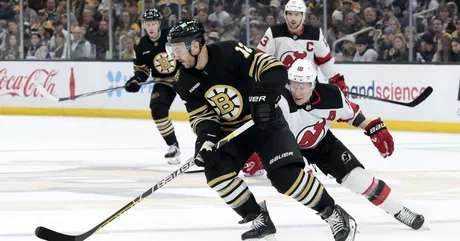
[234,191]
[379,194]
[166,129]
[376,191]
[301,186]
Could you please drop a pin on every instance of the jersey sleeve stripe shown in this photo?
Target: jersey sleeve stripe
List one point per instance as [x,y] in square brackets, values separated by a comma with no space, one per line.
[259,64]
[204,115]
[322,60]
[198,110]
[142,68]
[260,67]
[253,64]
[276,63]
[195,123]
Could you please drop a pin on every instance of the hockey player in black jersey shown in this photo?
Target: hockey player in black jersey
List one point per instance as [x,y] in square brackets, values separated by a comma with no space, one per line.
[223,86]
[151,58]
[309,108]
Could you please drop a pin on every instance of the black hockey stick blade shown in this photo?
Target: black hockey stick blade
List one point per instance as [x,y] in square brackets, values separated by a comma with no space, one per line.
[50,235]
[49,96]
[422,97]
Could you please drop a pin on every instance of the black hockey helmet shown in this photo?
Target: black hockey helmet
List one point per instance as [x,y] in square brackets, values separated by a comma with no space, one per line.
[186,31]
[151,14]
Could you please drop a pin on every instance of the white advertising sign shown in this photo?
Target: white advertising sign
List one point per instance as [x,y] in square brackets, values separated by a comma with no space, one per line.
[404,83]
[64,79]
[396,82]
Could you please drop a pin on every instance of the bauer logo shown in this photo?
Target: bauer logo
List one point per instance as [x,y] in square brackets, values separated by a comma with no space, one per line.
[276,158]
[117,79]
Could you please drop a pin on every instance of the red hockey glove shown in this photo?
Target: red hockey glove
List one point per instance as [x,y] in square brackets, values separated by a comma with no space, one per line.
[340,82]
[253,166]
[380,136]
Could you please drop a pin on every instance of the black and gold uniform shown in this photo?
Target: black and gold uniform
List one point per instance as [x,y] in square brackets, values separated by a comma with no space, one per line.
[151,58]
[238,84]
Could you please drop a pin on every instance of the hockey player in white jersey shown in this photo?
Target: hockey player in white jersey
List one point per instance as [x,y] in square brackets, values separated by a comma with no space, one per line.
[309,108]
[295,40]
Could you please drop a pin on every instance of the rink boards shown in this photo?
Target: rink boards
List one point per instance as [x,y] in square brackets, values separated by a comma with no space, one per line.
[439,113]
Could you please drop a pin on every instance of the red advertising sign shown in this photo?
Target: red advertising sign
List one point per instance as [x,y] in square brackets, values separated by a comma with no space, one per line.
[22,85]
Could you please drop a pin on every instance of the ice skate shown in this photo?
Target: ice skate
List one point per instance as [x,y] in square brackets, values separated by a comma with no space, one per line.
[173,154]
[262,226]
[343,225]
[409,218]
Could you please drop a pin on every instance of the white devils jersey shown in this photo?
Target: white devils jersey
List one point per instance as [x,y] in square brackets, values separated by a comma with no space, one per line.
[288,47]
[310,123]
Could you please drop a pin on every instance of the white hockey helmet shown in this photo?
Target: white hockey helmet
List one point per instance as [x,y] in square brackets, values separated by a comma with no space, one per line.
[303,71]
[296,6]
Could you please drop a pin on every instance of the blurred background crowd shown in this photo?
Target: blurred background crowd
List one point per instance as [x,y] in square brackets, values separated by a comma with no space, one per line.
[357,30]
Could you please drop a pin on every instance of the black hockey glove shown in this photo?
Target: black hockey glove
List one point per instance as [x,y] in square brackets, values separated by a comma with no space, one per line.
[132,85]
[262,104]
[207,154]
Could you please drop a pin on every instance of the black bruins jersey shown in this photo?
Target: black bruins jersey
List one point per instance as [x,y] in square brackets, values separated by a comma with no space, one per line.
[220,91]
[152,56]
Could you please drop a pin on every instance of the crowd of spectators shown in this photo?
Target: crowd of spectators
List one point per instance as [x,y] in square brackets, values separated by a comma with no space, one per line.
[384,26]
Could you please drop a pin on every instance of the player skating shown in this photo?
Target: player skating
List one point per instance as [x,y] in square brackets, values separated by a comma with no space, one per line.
[309,108]
[295,40]
[225,85]
[151,58]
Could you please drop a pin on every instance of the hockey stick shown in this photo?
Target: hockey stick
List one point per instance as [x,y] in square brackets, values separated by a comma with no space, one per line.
[49,96]
[50,235]
[427,92]
[194,171]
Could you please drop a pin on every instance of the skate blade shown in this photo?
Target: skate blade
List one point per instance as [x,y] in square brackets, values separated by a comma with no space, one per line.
[353,230]
[173,160]
[271,237]
[424,227]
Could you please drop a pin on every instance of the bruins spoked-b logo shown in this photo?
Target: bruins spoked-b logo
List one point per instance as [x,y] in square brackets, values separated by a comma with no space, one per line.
[163,63]
[226,101]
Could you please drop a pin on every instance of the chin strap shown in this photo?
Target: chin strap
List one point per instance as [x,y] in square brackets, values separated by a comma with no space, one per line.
[196,55]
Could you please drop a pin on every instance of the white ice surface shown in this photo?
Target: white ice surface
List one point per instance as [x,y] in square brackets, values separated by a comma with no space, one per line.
[69,174]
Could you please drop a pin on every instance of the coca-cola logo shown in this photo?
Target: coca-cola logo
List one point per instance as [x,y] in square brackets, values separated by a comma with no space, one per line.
[23,85]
